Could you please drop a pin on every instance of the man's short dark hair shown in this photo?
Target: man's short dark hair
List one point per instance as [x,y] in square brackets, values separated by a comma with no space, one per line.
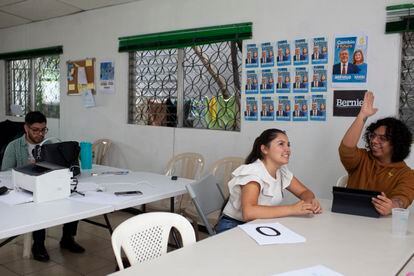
[35,117]
[397,133]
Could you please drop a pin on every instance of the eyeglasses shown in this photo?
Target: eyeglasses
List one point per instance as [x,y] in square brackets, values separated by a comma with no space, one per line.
[37,130]
[381,138]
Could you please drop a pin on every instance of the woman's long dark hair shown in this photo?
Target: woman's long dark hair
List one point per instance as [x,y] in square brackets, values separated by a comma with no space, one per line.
[265,138]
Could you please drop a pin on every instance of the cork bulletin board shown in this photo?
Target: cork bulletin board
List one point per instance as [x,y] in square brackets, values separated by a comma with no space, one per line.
[81,76]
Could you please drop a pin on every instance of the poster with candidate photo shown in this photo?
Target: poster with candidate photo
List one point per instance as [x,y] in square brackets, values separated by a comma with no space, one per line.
[283,53]
[300,109]
[267,82]
[301,54]
[319,82]
[350,61]
[250,113]
[252,83]
[252,56]
[283,110]
[267,55]
[283,80]
[267,109]
[318,108]
[301,82]
[319,50]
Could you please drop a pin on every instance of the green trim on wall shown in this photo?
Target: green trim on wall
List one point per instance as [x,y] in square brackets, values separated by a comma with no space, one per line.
[405,25]
[400,7]
[55,50]
[186,38]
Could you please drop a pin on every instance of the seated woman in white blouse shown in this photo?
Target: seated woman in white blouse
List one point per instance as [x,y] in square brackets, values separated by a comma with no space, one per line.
[256,189]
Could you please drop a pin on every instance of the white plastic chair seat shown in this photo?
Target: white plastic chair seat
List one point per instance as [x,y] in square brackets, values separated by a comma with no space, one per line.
[145,237]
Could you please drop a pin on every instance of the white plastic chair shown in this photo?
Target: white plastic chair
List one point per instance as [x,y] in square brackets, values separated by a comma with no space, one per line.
[100,149]
[187,165]
[207,197]
[222,169]
[342,181]
[145,237]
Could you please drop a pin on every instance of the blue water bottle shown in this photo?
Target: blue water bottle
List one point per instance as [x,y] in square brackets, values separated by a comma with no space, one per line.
[86,155]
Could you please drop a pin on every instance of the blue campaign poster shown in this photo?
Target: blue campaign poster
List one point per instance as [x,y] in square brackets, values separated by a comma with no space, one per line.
[350,62]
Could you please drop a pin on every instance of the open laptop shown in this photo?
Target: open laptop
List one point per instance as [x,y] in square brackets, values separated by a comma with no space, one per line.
[354,202]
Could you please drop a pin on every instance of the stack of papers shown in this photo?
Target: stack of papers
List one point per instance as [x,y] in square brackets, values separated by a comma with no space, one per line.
[14,198]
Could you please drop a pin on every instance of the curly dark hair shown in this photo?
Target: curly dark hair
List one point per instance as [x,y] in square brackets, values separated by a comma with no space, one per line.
[397,133]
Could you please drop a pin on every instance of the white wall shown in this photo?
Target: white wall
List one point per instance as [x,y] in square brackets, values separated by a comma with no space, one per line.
[95,34]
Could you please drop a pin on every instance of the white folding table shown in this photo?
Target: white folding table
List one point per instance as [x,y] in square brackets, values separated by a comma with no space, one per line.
[351,245]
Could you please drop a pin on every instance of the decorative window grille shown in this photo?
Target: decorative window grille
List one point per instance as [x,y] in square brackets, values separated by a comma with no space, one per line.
[406,107]
[193,87]
[33,84]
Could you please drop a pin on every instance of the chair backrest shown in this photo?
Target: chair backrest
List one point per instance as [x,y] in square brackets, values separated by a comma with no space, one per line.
[100,149]
[187,165]
[207,197]
[342,181]
[222,170]
[145,237]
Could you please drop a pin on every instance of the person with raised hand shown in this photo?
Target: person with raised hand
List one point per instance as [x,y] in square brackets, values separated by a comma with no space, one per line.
[380,165]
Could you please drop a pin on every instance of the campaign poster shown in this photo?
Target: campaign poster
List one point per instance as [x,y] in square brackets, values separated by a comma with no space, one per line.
[283,80]
[301,83]
[252,86]
[250,114]
[350,63]
[107,77]
[300,109]
[347,103]
[252,56]
[267,111]
[301,54]
[319,50]
[283,112]
[319,82]
[283,53]
[267,57]
[267,85]
[318,108]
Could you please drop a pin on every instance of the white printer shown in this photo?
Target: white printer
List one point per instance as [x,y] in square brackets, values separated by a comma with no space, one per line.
[45,180]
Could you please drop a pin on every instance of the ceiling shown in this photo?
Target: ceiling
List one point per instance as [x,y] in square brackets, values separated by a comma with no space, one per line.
[18,12]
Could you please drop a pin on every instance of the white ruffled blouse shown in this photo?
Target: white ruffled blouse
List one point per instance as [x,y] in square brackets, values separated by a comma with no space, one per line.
[271,189]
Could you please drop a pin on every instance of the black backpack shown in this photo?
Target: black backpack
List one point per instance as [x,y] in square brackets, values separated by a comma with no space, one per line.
[65,154]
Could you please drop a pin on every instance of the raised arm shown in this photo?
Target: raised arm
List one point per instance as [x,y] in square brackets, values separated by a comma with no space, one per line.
[354,132]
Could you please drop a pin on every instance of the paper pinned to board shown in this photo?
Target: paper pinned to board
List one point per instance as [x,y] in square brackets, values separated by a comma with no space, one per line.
[317,270]
[82,76]
[271,233]
[88,99]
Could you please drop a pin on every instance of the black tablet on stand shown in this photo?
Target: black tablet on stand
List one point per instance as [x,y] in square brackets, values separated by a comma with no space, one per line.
[354,202]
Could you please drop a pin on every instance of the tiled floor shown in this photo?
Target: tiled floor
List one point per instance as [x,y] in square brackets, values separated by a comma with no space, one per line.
[97,260]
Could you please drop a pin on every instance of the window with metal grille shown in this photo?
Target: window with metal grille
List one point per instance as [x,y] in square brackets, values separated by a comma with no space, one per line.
[406,107]
[193,87]
[33,84]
